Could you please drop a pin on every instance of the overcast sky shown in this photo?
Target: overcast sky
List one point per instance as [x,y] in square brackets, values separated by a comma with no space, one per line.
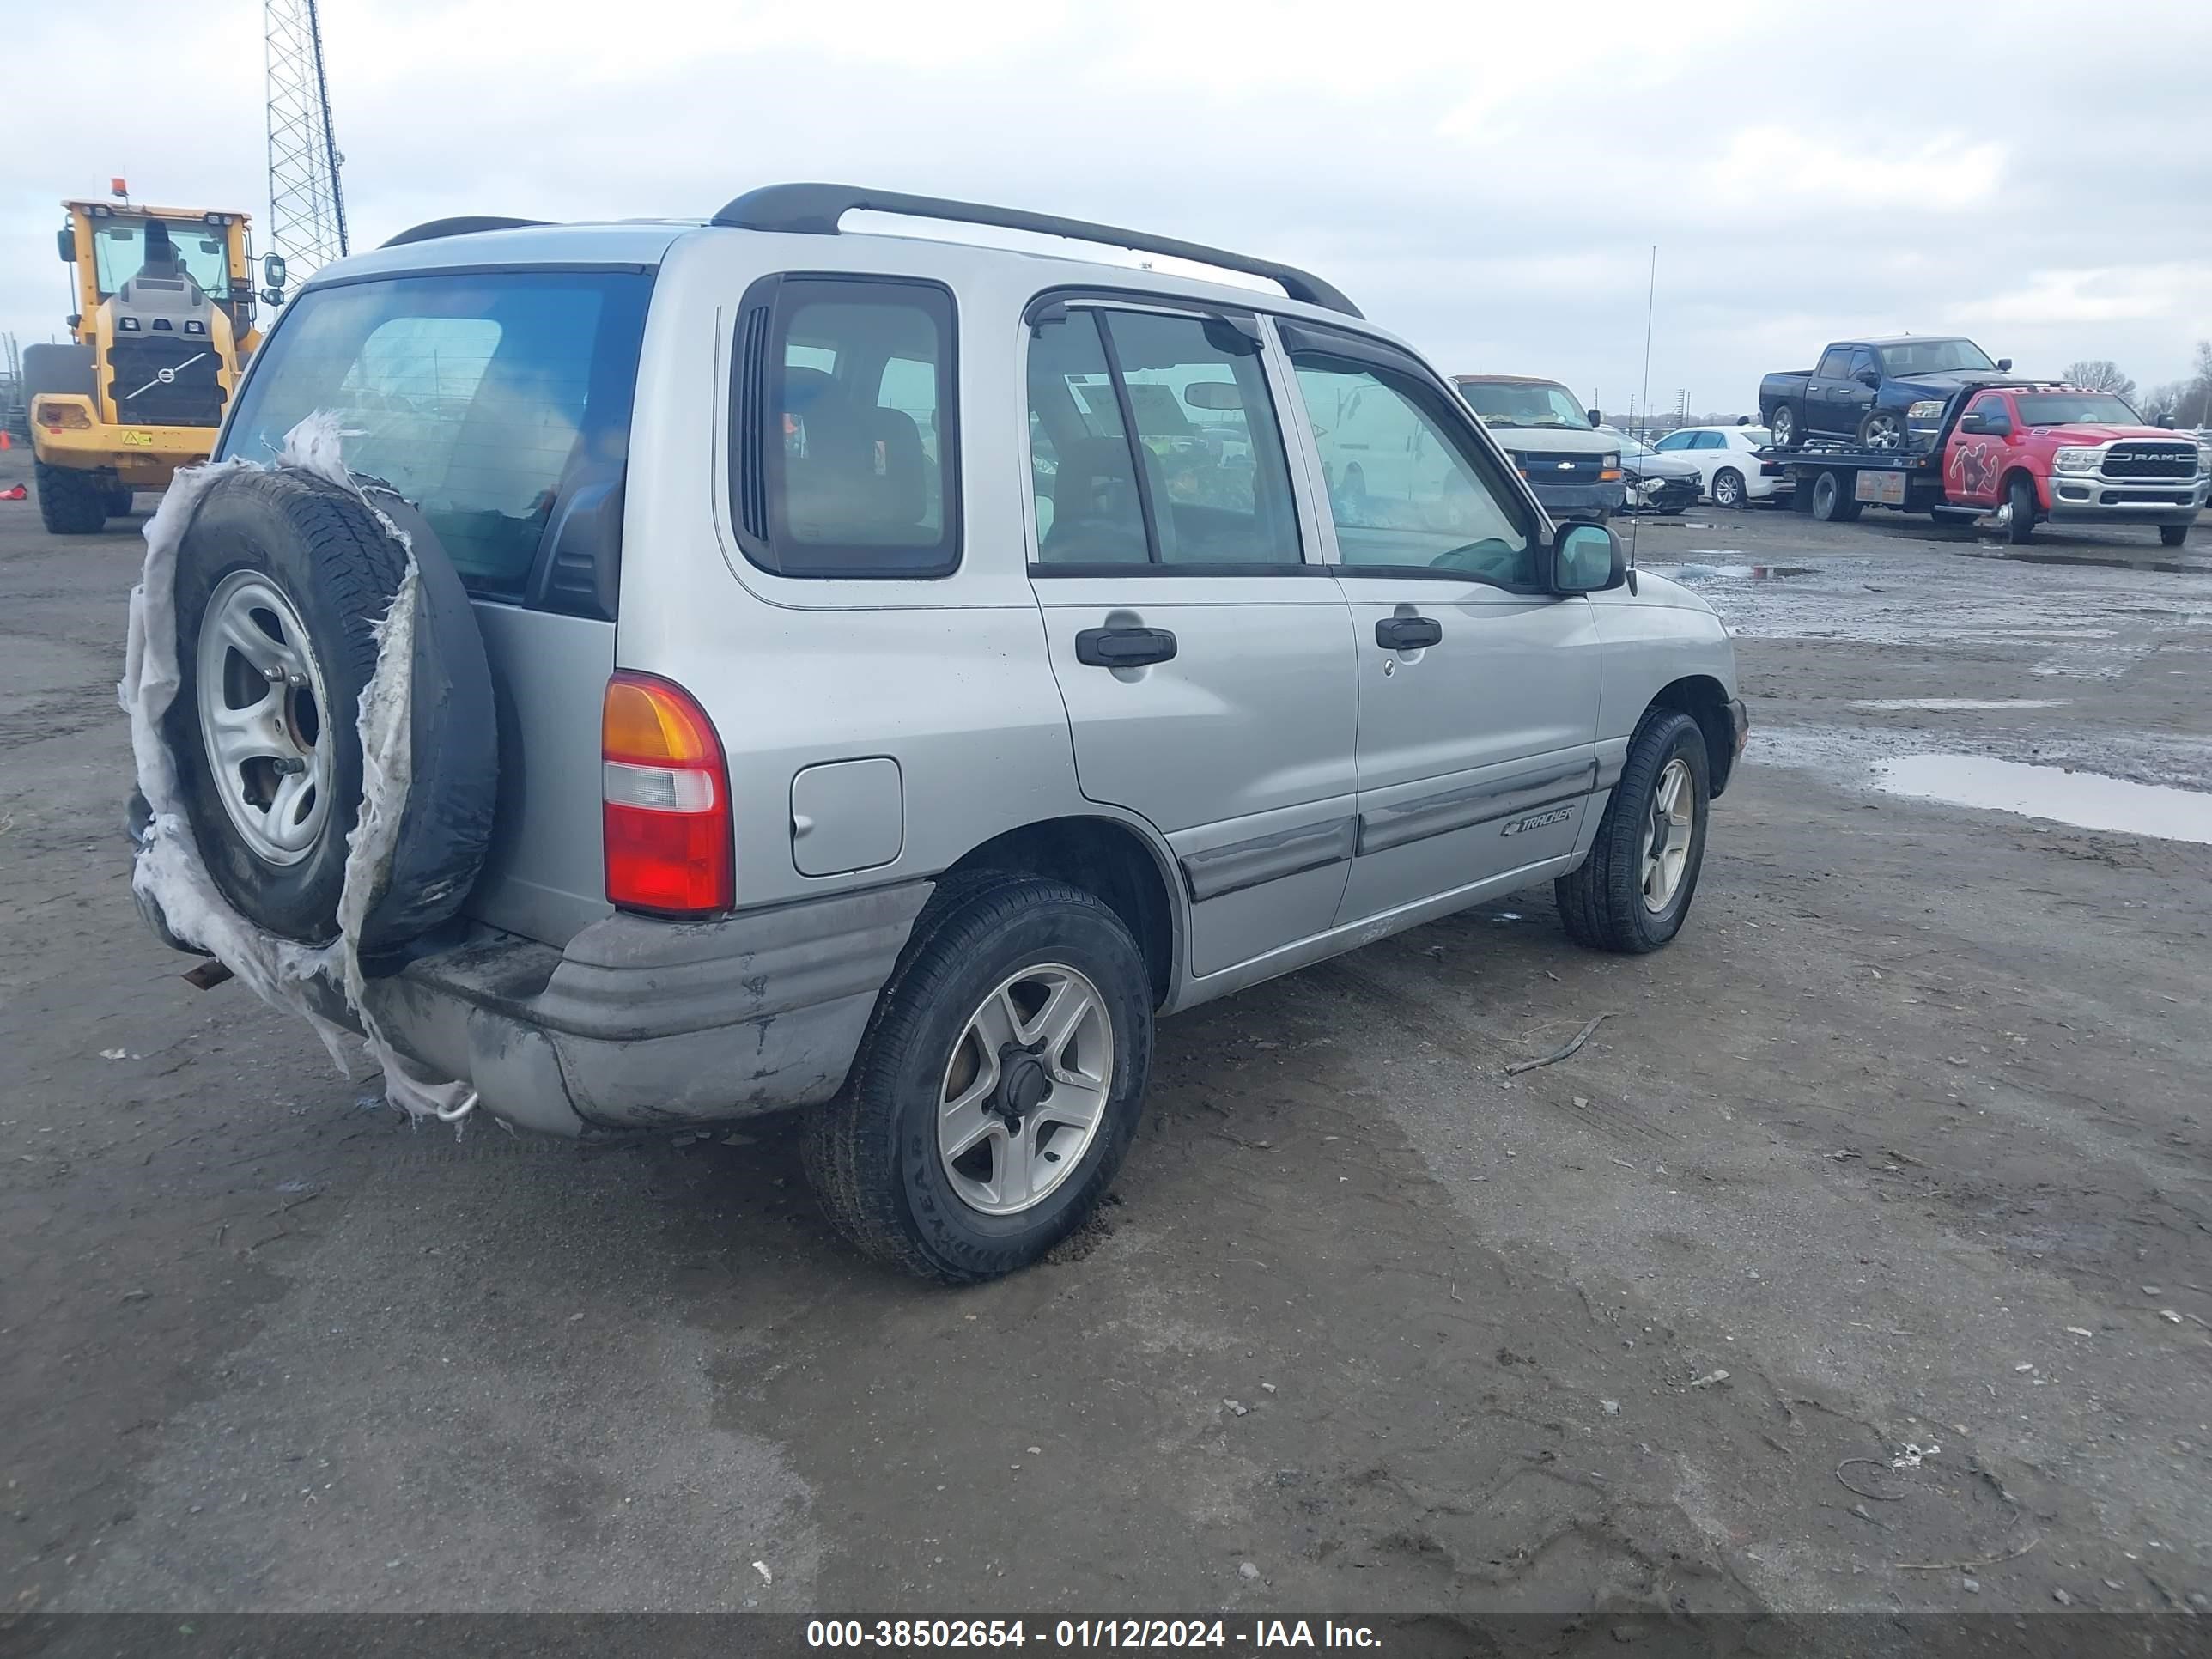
[1488,181]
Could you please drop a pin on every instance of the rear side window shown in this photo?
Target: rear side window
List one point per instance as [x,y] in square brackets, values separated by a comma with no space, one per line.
[484,398]
[844,435]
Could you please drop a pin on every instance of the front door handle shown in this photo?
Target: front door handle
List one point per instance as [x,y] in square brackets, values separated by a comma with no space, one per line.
[1407,633]
[1123,647]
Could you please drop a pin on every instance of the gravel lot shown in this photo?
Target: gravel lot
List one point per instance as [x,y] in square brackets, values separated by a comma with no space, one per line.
[1901,1145]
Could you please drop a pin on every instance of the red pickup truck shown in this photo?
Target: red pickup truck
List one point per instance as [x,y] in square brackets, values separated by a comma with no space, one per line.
[2028,452]
[2036,453]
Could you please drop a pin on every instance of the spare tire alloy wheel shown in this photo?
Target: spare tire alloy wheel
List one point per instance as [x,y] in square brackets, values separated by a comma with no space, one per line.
[1026,1089]
[264,715]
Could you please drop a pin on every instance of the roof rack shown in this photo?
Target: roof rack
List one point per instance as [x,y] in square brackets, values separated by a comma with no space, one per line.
[815,210]
[431,229]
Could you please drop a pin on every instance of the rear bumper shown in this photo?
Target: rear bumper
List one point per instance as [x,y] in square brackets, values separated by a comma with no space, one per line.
[145,456]
[2090,499]
[640,1024]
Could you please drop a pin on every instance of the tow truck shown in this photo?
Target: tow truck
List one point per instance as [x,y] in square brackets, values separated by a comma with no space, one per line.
[2022,453]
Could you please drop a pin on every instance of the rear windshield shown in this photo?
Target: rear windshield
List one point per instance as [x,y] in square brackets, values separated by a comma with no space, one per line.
[482,398]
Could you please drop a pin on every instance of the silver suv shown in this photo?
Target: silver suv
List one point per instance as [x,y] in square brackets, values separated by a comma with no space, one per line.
[917,666]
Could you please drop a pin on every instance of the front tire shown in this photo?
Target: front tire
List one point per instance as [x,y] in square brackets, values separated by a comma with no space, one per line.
[1633,891]
[1727,488]
[70,502]
[998,1087]
[2019,511]
[1882,429]
[2173,535]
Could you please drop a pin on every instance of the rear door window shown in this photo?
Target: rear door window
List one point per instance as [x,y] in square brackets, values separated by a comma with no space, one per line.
[481,397]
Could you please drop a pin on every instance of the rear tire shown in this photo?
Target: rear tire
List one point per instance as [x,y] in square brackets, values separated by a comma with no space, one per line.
[1783,422]
[874,1156]
[1607,903]
[2173,535]
[2019,511]
[70,502]
[1833,501]
[118,502]
[1727,488]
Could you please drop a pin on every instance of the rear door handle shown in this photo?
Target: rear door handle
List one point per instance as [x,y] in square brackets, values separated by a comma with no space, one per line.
[1123,647]
[1407,633]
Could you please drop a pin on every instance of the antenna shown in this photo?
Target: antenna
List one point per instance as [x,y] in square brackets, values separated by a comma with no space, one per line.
[306,206]
[1650,294]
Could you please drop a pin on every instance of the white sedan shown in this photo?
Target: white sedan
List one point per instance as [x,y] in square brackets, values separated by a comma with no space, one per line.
[1726,456]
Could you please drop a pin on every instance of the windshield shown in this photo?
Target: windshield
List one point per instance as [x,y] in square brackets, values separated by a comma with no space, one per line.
[1628,446]
[123,248]
[1532,402]
[2075,409]
[1933,357]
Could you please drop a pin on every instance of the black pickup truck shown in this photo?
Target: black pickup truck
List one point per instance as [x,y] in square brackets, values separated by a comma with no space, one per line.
[1877,393]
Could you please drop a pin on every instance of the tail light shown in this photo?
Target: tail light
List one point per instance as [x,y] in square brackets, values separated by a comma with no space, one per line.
[666,793]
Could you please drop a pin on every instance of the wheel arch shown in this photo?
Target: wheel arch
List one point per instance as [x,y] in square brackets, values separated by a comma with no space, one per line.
[1705,700]
[1106,856]
[2019,470]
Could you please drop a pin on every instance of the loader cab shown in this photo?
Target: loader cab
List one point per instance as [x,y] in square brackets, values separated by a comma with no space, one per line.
[112,244]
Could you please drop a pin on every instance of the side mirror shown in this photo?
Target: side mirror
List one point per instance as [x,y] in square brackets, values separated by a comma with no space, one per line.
[2165,422]
[1595,419]
[1587,558]
[1970,424]
[272,269]
[2004,365]
[65,239]
[1869,377]
[272,296]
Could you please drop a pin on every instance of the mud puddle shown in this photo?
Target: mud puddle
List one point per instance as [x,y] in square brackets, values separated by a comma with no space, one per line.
[1951,705]
[2088,800]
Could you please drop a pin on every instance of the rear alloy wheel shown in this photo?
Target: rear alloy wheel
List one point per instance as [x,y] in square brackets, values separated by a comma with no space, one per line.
[1727,488]
[2018,515]
[998,1087]
[1882,429]
[1783,425]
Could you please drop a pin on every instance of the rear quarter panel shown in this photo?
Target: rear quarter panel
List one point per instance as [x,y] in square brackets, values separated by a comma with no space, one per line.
[949,677]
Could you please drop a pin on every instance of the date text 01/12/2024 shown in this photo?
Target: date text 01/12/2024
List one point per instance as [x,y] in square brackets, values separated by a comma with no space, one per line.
[1085,1633]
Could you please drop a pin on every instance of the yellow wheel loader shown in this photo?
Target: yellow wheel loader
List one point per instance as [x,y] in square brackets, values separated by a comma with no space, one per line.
[163,319]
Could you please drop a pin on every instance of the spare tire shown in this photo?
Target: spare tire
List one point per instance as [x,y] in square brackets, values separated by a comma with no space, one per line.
[280,579]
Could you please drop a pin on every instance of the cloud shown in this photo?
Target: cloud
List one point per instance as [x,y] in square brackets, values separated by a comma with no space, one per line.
[1488,181]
